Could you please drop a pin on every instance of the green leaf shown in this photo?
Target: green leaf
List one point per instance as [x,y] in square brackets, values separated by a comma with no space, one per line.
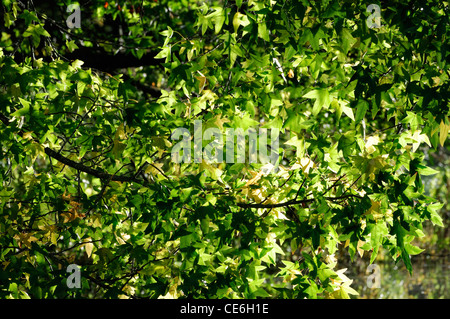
[28,17]
[218,18]
[347,40]
[413,250]
[71,45]
[35,31]
[168,34]
[322,98]
[435,218]
[423,170]
[413,120]
[243,122]
[263,32]
[377,233]
[362,108]
[24,110]
[164,53]
[407,260]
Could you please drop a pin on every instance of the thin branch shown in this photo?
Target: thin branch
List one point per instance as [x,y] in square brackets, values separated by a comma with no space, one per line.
[293,202]
[298,191]
[353,184]
[334,184]
[102,191]
[98,282]
[281,186]
[74,246]
[266,213]
[159,170]
[79,123]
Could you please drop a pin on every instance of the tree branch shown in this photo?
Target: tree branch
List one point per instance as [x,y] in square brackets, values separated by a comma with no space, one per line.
[293,202]
[105,61]
[149,89]
[4,119]
[89,170]
[81,167]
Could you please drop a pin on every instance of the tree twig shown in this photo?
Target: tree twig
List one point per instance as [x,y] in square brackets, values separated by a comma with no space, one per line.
[292,202]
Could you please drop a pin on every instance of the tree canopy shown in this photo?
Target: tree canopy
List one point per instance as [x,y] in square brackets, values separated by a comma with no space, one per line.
[88,113]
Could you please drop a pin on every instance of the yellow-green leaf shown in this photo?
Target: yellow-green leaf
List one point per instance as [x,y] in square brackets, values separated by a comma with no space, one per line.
[443,132]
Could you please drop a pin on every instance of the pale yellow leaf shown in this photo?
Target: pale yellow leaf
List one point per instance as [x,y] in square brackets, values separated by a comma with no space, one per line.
[358,247]
[306,164]
[256,177]
[88,247]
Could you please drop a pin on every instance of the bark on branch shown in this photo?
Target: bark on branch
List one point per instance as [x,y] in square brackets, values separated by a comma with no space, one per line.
[293,202]
[78,166]
[88,170]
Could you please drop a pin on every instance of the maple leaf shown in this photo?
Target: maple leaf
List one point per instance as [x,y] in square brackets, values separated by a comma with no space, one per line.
[219,121]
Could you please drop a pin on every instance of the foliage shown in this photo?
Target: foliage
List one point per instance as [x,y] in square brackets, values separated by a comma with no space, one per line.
[87,116]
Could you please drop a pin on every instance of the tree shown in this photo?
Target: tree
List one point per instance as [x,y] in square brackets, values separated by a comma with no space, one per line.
[88,120]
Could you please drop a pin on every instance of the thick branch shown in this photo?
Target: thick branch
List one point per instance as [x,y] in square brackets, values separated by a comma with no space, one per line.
[79,166]
[4,119]
[104,61]
[88,170]
[95,57]
[149,89]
